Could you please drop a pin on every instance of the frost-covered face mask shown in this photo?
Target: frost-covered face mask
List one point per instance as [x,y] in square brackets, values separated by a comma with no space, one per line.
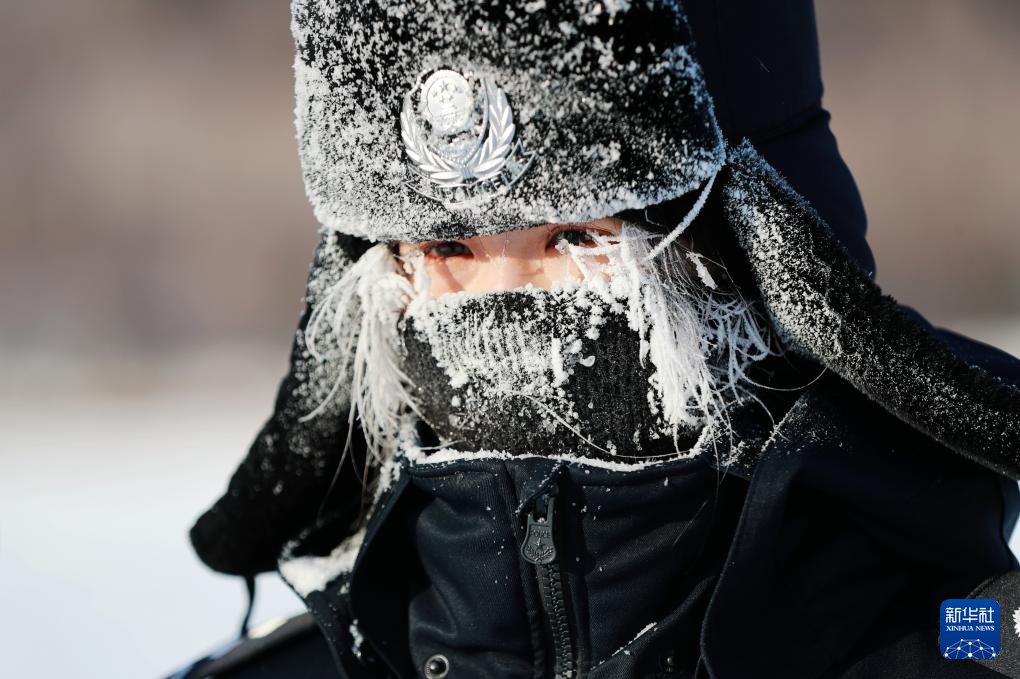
[641,353]
[532,371]
[632,361]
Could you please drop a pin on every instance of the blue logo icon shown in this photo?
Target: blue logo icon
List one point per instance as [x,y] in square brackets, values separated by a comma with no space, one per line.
[969,629]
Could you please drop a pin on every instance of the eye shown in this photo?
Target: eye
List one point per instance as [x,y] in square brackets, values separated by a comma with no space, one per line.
[446,248]
[577,237]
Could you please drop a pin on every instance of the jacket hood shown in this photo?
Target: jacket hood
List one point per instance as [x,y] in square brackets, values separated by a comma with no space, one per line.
[763,70]
[823,303]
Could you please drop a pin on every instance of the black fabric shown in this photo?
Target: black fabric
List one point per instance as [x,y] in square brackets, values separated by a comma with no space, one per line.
[916,653]
[843,541]
[249,582]
[827,308]
[1004,588]
[581,78]
[296,648]
[841,538]
[842,534]
[760,60]
[635,549]
[292,469]
[278,487]
[762,67]
[600,410]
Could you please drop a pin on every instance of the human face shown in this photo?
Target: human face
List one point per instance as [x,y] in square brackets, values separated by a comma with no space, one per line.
[507,260]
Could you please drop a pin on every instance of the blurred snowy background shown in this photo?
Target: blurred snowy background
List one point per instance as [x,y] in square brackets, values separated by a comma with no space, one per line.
[155,237]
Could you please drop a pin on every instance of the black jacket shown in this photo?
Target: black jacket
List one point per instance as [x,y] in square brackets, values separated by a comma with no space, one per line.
[829,546]
[836,540]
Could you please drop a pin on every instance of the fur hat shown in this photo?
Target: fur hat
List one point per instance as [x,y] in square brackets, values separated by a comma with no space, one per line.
[447,119]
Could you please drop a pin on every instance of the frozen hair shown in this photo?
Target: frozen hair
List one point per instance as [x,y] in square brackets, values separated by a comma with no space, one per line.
[354,326]
[697,329]
[694,324]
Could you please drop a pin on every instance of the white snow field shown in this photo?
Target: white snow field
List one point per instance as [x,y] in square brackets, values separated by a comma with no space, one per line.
[100,479]
[104,465]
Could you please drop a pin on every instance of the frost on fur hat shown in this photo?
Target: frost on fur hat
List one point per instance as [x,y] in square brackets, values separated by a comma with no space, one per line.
[592,109]
[828,309]
[446,119]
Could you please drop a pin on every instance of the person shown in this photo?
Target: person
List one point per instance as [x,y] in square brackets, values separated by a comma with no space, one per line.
[583,389]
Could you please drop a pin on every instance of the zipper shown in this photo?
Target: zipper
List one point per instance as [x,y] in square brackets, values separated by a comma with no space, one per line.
[539,548]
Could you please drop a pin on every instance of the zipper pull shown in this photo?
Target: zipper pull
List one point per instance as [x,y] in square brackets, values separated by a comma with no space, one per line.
[538,546]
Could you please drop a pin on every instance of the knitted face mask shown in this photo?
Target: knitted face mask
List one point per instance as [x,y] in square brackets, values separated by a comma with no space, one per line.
[637,356]
[533,371]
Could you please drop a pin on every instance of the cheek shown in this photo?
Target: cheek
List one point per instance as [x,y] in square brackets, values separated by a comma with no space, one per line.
[440,286]
[561,267]
[449,274]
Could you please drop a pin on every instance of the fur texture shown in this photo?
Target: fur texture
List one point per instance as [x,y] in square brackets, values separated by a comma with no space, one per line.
[290,472]
[828,309]
[609,99]
[606,97]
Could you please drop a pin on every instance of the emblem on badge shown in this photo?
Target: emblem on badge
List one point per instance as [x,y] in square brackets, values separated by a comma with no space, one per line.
[461,140]
[447,102]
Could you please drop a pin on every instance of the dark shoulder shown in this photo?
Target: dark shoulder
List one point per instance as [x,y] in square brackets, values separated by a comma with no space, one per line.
[290,648]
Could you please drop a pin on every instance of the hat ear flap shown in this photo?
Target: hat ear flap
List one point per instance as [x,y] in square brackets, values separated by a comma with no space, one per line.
[293,463]
[827,308]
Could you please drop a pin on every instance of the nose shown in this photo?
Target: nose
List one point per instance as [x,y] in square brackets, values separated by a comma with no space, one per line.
[506,272]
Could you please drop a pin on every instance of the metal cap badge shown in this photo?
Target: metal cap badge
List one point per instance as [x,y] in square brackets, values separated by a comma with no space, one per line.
[461,142]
